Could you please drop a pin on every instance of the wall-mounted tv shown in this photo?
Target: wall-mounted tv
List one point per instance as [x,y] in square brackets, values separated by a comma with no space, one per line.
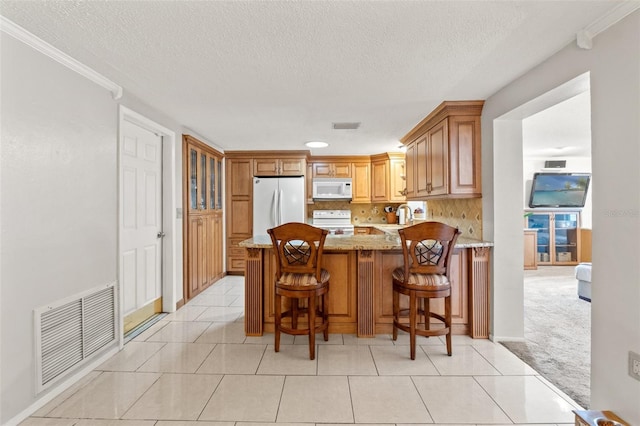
[559,189]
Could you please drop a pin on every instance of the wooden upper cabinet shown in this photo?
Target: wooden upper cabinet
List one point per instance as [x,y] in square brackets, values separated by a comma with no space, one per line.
[279,167]
[331,169]
[443,153]
[379,180]
[361,184]
[388,177]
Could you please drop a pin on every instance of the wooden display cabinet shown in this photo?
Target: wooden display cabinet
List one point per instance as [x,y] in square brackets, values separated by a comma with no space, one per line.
[558,236]
[202,200]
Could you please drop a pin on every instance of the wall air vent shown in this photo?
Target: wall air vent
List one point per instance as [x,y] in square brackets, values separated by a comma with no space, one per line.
[346,126]
[70,331]
[555,164]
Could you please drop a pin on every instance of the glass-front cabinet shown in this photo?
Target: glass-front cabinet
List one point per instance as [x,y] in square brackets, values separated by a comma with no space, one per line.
[205,180]
[558,236]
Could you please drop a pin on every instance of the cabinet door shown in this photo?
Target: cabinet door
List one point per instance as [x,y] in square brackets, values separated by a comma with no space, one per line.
[530,245]
[197,259]
[361,185]
[213,183]
[239,177]
[309,183]
[342,294]
[218,247]
[422,156]
[464,156]
[565,238]
[322,170]
[437,160]
[331,169]
[342,170]
[459,290]
[292,167]
[397,181]
[380,181]
[219,185]
[194,174]
[410,162]
[266,167]
[542,223]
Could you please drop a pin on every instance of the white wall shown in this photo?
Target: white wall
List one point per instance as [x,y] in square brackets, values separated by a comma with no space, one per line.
[614,66]
[59,194]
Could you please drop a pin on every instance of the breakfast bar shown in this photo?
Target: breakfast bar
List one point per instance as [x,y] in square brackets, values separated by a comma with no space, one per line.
[360,295]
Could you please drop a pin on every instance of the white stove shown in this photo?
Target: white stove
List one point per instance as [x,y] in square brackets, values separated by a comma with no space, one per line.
[337,222]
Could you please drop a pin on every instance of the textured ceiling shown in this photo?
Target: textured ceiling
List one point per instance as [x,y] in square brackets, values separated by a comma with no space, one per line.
[274,74]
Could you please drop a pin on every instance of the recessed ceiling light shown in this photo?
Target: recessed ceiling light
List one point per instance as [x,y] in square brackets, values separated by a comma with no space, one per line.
[317,144]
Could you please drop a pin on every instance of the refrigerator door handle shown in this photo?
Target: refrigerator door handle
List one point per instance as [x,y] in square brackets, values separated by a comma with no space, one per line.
[274,206]
[280,207]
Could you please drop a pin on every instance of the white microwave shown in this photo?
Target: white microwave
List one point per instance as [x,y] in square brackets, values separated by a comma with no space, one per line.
[332,189]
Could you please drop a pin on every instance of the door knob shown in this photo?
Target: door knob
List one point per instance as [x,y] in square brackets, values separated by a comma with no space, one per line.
[160,234]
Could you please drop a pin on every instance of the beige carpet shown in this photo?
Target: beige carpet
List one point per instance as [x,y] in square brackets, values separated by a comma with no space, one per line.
[557,330]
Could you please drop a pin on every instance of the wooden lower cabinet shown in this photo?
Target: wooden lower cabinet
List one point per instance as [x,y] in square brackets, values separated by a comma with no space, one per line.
[342,297]
[205,264]
[361,291]
[389,260]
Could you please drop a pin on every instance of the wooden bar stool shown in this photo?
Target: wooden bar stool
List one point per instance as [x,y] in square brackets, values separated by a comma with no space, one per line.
[298,249]
[427,248]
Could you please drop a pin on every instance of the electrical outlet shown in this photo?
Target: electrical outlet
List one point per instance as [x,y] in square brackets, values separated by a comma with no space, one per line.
[634,365]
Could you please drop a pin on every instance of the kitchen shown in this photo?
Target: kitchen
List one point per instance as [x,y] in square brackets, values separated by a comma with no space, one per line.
[349,193]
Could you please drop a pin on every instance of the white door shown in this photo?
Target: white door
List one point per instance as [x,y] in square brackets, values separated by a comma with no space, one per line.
[140,216]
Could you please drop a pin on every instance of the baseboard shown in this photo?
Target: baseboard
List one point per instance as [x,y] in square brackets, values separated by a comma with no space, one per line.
[63,386]
[497,339]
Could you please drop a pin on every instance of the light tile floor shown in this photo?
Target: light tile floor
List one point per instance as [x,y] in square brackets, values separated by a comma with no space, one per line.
[196,367]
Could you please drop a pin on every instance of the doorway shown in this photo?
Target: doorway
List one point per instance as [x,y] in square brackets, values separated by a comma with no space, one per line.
[510,132]
[147,231]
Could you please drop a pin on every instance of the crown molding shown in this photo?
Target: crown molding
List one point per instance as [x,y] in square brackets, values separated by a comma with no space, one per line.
[584,37]
[47,49]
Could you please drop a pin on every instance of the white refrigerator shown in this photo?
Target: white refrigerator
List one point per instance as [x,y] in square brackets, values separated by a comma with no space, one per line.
[277,200]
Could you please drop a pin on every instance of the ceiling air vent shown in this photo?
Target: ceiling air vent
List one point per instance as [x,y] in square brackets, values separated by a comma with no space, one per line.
[555,164]
[345,126]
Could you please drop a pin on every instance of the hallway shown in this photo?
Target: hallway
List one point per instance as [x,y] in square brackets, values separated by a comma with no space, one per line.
[196,367]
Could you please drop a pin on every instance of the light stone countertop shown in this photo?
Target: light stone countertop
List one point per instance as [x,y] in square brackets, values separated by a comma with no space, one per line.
[389,241]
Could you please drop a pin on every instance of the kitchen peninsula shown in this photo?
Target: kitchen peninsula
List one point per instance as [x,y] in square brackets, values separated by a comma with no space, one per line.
[360,295]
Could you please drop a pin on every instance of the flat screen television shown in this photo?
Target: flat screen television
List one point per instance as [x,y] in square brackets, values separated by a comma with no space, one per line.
[559,189]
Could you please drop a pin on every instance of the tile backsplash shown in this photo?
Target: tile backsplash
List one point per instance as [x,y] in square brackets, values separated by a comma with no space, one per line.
[360,213]
[464,213]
